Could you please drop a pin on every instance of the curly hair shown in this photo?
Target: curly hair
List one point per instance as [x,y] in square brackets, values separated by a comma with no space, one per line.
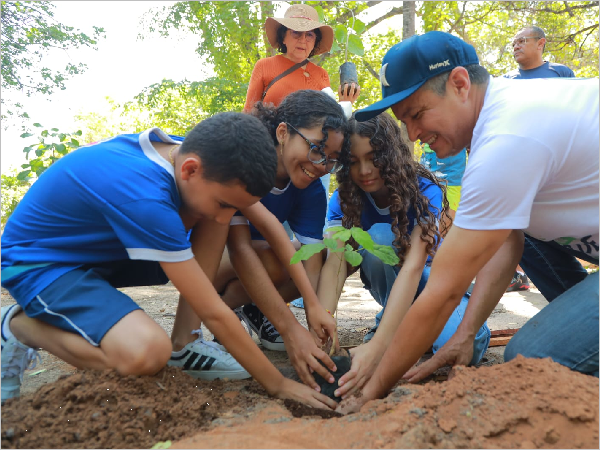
[280,36]
[400,175]
[305,109]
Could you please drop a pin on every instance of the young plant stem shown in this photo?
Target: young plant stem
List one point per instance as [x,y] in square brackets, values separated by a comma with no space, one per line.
[334,343]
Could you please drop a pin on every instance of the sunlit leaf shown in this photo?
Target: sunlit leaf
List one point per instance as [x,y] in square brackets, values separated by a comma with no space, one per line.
[363,238]
[305,252]
[353,258]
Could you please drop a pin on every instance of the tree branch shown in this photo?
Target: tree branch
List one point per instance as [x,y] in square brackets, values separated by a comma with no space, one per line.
[392,13]
[370,69]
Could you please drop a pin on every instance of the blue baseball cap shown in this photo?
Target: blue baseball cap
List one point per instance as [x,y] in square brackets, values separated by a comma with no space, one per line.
[409,64]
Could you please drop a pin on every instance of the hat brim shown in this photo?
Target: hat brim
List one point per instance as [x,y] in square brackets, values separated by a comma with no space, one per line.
[273,23]
[362,115]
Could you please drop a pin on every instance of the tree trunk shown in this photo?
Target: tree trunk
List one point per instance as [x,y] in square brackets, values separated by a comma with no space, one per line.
[408,30]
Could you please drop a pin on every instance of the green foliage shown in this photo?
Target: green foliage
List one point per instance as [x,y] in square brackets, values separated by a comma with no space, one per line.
[162,444]
[571,30]
[51,145]
[29,31]
[353,257]
[13,190]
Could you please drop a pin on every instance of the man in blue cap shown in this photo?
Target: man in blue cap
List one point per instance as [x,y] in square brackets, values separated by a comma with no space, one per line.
[538,141]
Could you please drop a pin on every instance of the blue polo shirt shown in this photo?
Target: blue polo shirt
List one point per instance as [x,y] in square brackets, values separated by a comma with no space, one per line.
[113,200]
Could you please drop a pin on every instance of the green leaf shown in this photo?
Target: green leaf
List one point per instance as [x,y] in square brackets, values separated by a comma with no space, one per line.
[330,243]
[78,133]
[359,26]
[26,135]
[44,133]
[342,235]
[22,176]
[353,258]
[74,143]
[305,252]
[363,238]
[165,444]
[355,45]
[340,34]
[385,253]
[319,10]
[54,129]
[39,152]
[39,125]
[335,47]
[334,229]
[61,148]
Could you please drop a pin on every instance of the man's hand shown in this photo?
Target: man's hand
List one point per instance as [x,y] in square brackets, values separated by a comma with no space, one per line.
[457,351]
[299,392]
[321,323]
[303,353]
[365,358]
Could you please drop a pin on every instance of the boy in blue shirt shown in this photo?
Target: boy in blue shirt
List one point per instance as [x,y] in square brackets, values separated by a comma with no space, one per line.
[118,213]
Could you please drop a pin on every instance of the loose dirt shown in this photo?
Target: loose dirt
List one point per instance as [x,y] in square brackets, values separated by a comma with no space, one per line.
[520,404]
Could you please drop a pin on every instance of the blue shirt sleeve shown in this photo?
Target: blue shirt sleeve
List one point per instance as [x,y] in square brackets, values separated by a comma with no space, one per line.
[334,213]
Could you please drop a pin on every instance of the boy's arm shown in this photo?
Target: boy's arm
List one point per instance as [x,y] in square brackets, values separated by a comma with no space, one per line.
[299,343]
[366,357]
[194,285]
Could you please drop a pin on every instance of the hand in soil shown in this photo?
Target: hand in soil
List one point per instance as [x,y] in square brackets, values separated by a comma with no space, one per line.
[365,359]
[342,360]
[352,404]
[321,323]
[305,355]
[457,351]
[291,389]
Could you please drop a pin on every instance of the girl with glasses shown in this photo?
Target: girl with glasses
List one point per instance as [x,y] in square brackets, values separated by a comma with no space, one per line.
[399,203]
[310,133]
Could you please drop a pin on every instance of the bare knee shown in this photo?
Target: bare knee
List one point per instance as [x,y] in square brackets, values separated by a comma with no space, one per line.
[137,345]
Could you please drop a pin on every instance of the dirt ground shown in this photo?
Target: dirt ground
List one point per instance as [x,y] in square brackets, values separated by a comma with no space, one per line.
[521,404]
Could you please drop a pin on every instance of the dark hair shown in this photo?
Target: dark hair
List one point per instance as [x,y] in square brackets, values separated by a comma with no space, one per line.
[537,32]
[477,74]
[280,36]
[305,109]
[234,147]
[399,173]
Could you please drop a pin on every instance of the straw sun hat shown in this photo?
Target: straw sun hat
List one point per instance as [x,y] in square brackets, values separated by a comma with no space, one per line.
[300,18]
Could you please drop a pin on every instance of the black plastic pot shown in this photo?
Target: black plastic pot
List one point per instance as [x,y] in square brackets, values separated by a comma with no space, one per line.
[348,74]
[343,364]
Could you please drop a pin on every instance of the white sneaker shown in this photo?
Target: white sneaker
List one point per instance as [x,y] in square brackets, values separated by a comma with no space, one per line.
[206,361]
[16,357]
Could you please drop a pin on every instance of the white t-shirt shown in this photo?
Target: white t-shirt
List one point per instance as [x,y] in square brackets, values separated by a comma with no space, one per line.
[533,164]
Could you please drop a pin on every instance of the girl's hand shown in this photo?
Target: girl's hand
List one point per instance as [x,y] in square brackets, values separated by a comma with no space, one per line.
[302,393]
[321,323]
[365,359]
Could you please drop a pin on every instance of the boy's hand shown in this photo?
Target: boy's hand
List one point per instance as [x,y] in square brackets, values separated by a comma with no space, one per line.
[303,353]
[321,323]
[365,359]
[299,392]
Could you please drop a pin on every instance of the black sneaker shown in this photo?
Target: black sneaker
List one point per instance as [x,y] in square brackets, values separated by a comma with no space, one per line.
[270,337]
[252,316]
[519,282]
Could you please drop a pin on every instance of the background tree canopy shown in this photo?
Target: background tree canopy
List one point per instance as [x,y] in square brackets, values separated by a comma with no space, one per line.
[231,38]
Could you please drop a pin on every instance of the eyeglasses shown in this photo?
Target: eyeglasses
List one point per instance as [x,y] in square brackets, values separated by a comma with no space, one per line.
[311,36]
[523,40]
[317,156]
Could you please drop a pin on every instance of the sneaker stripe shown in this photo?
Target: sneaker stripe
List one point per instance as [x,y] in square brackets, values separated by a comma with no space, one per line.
[209,363]
[179,358]
[198,364]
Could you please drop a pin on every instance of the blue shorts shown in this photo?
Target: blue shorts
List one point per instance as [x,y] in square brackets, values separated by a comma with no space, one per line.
[86,300]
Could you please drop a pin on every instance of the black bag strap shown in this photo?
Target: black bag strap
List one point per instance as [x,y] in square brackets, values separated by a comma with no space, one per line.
[283,74]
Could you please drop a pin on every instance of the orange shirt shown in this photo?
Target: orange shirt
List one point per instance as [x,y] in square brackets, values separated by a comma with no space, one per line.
[268,68]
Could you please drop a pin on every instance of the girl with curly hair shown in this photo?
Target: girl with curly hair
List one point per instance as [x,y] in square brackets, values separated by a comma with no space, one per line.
[398,202]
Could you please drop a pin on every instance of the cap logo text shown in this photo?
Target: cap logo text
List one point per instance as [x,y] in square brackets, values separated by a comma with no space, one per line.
[440,64]
[384,82]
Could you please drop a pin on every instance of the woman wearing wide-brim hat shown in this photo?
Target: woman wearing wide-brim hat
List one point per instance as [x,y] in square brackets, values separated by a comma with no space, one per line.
[298,36]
